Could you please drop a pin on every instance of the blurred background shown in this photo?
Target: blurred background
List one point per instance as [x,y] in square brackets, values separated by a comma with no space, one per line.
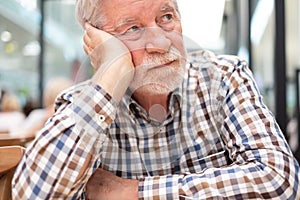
[41,39]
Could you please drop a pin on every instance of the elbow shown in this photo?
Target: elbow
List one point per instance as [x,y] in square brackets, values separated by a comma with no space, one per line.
[292,177]
[284,177]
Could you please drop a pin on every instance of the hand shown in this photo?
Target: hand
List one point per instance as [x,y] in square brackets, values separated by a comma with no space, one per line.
[102,47]
[112,60]
[105,185]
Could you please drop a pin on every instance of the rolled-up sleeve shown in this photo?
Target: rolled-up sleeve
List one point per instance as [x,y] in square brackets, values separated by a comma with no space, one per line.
[51,165]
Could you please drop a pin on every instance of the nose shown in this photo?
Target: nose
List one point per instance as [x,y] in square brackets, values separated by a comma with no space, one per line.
[157,40]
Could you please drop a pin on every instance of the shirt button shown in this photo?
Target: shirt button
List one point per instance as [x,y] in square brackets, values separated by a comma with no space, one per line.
[101,118]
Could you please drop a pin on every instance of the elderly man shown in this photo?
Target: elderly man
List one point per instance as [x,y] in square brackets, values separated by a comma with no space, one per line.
[153,123]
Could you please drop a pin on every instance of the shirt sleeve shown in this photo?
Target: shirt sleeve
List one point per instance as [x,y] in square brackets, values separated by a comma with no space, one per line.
[263,166]
[51,165]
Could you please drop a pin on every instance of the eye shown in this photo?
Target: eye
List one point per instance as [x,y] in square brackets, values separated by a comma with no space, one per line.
[166,18]
[131,32]
[167,21]
[133,29]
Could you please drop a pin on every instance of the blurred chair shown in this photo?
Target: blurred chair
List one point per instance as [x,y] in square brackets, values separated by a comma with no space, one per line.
[10,157]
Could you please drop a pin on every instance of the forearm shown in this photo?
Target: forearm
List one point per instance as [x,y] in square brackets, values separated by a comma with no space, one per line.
[248,180]
[106,185]
[112,60]
[115,77]
[53,166]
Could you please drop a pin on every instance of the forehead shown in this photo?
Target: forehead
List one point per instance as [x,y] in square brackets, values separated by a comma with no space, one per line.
[117,10]
[124,4]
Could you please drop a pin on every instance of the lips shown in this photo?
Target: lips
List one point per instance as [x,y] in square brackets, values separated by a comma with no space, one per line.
[167,64]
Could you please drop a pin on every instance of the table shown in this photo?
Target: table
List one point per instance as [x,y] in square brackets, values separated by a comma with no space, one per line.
[8,140]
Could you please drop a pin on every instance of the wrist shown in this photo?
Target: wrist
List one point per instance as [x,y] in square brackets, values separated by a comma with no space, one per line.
[115,78]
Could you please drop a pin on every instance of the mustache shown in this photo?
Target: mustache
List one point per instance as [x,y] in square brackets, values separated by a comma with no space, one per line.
[157,59]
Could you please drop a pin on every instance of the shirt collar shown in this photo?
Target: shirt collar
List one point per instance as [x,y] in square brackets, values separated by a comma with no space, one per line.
[133,107]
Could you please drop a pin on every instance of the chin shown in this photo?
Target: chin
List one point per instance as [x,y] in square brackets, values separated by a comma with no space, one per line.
[158,81]
[155,88]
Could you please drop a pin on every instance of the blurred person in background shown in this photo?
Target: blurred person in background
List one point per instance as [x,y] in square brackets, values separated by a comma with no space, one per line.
[38,117]
[11,115]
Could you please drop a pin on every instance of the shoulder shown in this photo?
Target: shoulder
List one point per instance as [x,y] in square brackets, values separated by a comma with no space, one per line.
[222,69]
[204,59]
[217,72]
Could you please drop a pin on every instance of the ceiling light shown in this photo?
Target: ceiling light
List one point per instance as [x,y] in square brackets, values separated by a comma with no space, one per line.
[10,47]
[6,36]
[32,49]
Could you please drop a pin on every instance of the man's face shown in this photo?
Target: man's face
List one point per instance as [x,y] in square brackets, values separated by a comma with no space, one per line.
[152,32]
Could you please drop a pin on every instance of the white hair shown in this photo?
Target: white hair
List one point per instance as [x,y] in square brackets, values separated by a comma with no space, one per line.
[91,10]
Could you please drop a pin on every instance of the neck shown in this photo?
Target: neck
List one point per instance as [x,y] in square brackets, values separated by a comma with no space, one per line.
[156,105]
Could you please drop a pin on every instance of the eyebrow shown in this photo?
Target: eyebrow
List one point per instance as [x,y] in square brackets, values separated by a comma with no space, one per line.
[125,21]
[164,8]
[167,8]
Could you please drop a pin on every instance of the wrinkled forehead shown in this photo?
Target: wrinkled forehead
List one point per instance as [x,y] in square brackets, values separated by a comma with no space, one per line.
[116,10]
[147,5]
[97,12]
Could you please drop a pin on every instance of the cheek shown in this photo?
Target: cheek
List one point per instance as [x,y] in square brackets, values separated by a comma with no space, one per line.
[137,51]
[137,56]
[176,36]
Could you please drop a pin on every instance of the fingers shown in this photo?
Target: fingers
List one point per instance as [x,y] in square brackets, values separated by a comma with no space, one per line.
[93,37]
[86,44]
[94,34]
[86,49]
[88,39]
[102,47]
[89,29]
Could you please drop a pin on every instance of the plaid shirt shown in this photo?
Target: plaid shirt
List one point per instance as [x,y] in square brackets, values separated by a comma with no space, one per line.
[218,141]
